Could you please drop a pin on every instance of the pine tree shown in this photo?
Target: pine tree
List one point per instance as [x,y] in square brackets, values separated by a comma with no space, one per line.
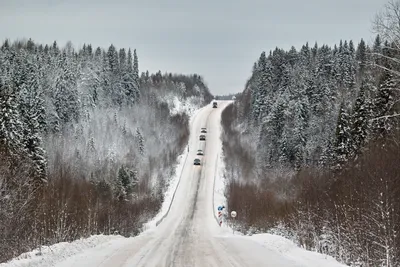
[10,124]
[255,96]
[6,45]
[140,142]
[129,61]
[361,57]
[377,51]
[66,99]
[181,89]
[135,73]
[260,101]
[112,56]
[118,188]
[55,51]
[97,54]
[31,106]
[360,117]
[382,105]
[343,142]
[30,46]
[128,80]
[283,149]
[127,180]
[123,64]
[105,79]
[314,51]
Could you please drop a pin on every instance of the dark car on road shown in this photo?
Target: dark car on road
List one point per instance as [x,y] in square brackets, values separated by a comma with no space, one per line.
[203,130]
[196,162]
[202,137]
[200,152]
[215,105]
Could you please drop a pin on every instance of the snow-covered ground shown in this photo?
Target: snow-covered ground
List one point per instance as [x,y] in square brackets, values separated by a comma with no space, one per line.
[189,235]
[51,255]
[176,105]
[290,250]
[174,181]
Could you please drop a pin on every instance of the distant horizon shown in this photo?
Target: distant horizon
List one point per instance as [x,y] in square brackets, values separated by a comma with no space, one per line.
[219,41]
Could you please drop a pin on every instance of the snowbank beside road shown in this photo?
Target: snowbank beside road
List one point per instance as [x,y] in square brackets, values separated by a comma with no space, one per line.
[50,255]
[290,250]
[173,183]
[169,194]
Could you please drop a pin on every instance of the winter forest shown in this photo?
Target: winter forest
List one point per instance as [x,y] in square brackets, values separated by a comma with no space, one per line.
[312,148]
[86,143]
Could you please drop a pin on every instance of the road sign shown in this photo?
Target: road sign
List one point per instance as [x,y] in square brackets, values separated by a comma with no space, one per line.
[220,217]
[220,209]
[233,215]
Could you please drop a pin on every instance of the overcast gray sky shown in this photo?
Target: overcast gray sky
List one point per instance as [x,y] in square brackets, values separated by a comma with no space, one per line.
[219,39]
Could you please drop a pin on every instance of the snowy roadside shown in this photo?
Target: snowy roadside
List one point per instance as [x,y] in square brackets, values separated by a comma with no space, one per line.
[174,180]
[290,250]
[53,254]
[50,255]
[219,186]
[275,243]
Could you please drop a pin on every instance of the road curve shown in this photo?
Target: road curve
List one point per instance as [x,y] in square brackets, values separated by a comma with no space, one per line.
[189,235]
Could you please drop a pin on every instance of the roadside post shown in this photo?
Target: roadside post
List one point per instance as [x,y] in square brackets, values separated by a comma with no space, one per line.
[220,209]
[233,215]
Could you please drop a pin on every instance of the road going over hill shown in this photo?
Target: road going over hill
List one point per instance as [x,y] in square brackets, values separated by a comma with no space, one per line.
[189,235]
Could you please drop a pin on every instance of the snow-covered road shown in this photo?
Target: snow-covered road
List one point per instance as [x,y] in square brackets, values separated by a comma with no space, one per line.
[189,235]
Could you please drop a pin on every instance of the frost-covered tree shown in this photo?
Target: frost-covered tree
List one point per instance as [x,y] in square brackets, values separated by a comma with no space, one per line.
[31,110]
[135,73]
[66,99]
[362,112]
[343,143]
[10,123]
[140,142]
[260,94]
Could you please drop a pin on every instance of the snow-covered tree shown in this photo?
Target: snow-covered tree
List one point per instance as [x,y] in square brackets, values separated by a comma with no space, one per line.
[140,142]
[343,143]
[10,123]
[31,110]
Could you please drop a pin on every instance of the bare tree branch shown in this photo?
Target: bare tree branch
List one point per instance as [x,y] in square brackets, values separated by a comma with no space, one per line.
[385,117]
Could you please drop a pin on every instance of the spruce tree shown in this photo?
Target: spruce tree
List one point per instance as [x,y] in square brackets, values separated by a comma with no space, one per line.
[361,57]
[31,106]
[360,117]
[140,142]
[382,105]
[135,73]
[261,103]
[112,56]
[343,143]
[122,61]
[10,124]
[128,80]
